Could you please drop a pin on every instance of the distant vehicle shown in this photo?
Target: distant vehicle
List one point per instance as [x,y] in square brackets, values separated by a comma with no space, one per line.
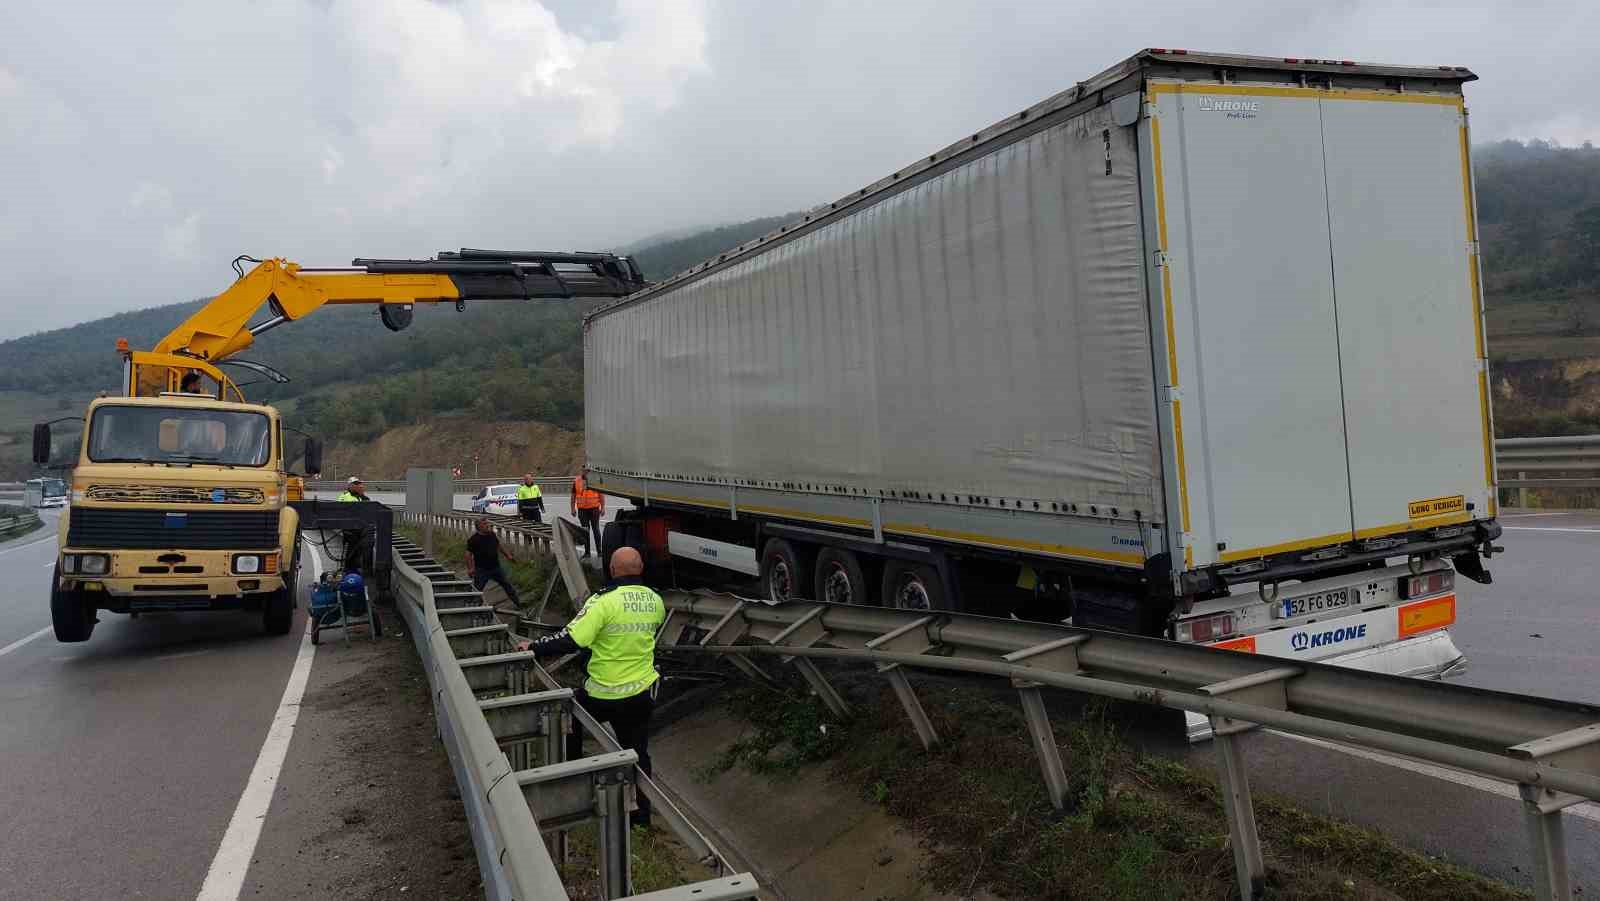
[496,499]
[38,493]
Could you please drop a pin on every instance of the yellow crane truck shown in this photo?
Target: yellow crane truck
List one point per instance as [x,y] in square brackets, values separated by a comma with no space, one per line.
[181,497]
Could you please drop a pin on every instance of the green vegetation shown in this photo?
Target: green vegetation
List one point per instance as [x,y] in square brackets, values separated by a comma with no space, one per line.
[1135,827]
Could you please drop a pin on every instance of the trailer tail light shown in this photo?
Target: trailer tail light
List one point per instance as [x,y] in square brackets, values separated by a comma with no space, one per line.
[1428,584]
[1205,628]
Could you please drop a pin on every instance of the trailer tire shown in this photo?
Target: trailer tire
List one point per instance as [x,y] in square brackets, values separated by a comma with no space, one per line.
[839,578]
[784,577]
[912,586]
[69,612]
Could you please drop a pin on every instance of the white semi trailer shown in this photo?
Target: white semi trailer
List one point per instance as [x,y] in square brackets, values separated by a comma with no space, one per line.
[1193,348]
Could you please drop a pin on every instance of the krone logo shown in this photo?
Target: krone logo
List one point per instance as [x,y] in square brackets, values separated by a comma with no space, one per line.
[1299,641]
[1223,104]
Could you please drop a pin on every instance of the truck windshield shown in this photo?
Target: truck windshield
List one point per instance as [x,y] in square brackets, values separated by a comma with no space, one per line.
[129,434]
[53,488]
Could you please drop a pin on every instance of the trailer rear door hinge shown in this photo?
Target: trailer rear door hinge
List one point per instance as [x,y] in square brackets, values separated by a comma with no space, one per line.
[1162,260]
[1170,393]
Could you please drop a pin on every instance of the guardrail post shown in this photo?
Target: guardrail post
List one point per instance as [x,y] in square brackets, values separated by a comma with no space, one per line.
[1547,837]
[1522,493]
[611,805]
[1235,785]
[1044,742]
[908,700]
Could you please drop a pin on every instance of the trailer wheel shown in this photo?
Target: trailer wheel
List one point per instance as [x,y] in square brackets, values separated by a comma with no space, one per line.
[839,578]
[69,612]
[783,578]
[912,586]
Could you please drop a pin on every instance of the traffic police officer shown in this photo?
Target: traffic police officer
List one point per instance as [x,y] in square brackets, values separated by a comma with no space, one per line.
[355,490]
[530,500]
[618,626]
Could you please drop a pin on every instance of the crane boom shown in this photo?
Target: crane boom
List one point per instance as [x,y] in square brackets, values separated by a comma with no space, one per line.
[223,327]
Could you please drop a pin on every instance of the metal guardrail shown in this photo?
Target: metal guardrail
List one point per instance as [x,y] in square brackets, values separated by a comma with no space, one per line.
[492,743]
[458,486]
[1568,462]
[16,520]
[1549,748]
[511,530]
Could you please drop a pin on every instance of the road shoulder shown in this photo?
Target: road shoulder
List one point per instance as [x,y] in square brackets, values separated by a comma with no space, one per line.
[367,805]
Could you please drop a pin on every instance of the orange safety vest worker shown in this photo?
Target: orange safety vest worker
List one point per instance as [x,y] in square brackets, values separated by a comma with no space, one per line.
[584,497]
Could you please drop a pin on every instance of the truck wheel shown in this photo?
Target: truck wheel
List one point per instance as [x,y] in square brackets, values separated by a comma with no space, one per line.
[782,576]
[912,586]
[839,578]
[277,612]
[69,612]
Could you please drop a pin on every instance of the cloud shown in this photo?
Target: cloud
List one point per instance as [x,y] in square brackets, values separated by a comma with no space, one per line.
[162,140]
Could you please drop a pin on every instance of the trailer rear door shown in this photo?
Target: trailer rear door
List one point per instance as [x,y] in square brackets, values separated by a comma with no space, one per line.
[1328,339]
[1258,367]
[1410,335]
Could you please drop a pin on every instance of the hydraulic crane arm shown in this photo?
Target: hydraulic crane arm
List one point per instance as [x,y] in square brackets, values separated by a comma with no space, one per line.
[223,328]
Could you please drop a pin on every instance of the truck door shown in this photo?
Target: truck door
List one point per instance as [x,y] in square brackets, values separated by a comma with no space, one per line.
[1410,335]
[1247,221]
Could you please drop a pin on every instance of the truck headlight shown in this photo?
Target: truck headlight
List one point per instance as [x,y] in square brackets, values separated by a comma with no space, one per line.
[94,564]
[247,563]
[69,563]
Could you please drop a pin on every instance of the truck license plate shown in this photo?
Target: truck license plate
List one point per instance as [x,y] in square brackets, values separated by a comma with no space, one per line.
[1321,602]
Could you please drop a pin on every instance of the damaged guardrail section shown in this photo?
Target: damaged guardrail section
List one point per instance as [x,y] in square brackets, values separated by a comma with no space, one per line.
[506,744]
[1549,748]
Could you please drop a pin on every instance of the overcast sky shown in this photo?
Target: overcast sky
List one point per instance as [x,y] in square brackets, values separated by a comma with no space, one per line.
[144,145]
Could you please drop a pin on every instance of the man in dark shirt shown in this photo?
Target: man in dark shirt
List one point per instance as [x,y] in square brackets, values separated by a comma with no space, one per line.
[483,561]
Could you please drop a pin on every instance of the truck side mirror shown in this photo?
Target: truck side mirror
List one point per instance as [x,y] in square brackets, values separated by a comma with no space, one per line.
[312,462]
[41,443]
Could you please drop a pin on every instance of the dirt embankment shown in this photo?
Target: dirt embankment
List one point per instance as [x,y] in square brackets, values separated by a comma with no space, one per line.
[503,448]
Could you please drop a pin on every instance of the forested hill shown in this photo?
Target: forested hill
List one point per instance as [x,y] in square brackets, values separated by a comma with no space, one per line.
[1539,208]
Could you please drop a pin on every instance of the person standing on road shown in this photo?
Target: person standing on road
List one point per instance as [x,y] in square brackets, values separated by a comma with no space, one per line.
[355,540]
[483,561]
[590,507]
[619,627]
[530,500]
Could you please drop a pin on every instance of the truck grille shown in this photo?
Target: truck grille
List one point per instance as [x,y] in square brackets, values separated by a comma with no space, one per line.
[171,494]
[92,527]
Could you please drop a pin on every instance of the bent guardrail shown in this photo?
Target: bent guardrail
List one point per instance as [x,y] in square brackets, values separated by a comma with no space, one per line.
[494,743]
[1549,748]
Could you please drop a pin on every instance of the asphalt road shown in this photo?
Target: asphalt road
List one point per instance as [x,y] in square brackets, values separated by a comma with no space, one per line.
[124,756]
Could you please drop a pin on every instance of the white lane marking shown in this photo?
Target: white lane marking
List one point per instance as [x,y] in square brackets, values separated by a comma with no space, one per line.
[1527,515]
[22,641]
[1544,529]
[225,879]
[1586,810]
[49,563]
[28,545]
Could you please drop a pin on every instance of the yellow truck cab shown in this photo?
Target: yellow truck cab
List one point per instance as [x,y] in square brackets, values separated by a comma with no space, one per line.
[178,502]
